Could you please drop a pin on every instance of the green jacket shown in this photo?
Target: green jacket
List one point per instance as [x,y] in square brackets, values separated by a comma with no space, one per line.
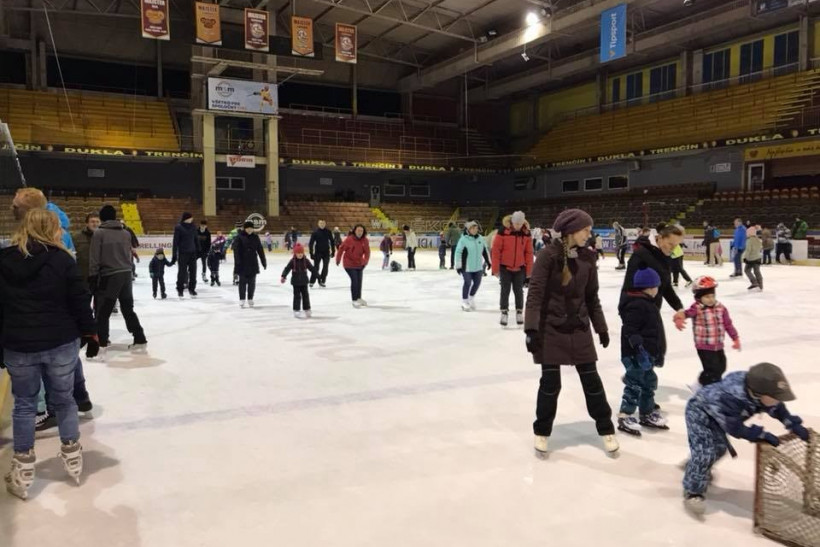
[476,253]
[82,246]
[754,250]
[453,235]
[799,230]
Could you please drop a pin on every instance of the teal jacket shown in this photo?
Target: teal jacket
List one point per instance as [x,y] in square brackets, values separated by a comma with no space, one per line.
[471,253]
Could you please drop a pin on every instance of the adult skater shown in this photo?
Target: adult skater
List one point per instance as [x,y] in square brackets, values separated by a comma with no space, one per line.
[738,247]
[562,299]
[800,228]
[82,243]
[110,271]
[512,263]
[186,251]
[411,243]
[621,245]
[678,268]
[46,319]
[784,244]
[472,258]
[322,247]
[203,236]
[768,245]
[708,239]
[647,255]
[337,237]
[294,237]
[247,248]
[355,250]
[453,235]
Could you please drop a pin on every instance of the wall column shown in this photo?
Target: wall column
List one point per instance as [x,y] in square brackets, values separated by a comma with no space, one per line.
[42,65]
[805,40]
[159,68]
[685,73]
[208,166]
[600,90]
[354,75]
[697,70]
[272,167]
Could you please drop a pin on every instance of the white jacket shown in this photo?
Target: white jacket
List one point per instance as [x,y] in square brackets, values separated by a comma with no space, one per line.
[410,240]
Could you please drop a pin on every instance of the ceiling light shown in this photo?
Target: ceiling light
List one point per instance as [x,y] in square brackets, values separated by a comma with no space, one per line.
[482,39]
[525,57]
[688,2]
[532,18]
[492,32]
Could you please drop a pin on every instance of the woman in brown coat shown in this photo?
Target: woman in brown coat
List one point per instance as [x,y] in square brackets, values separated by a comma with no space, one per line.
[562,300]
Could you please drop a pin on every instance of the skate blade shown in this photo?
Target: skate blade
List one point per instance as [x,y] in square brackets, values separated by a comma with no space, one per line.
[541,455]
[628,431]
[656,427]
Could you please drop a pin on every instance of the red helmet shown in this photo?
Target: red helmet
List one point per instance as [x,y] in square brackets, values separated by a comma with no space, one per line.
[703,283]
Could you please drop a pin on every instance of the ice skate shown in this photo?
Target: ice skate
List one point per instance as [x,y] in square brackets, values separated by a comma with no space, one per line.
[357,304]
[181,295]
[45,421]
[610,444]
[322,284]
[72,455]
[465,305]
[472,302]
[688,284]
[242,304]
[629,425]
[218,283]
[505,318]
[308,314]
[85,407]
[655,420]
[621,267]
[751,287]
[164,296]
[155,296]
[362,303]
[297,314]
[541,442]
[250,303]
[519,317]
[695,504]
[193,294]
[139,347]
[21,475]
[213,283]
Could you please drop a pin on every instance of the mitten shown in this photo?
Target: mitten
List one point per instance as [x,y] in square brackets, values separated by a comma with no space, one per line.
[459,270]
[769,438]
[534,342]
[526,282]
[636,341]
[92,343]
[643,359]
[736,344]
[604,338]
[801,432]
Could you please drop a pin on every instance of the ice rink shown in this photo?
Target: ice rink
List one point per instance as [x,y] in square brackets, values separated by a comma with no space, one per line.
[407,423]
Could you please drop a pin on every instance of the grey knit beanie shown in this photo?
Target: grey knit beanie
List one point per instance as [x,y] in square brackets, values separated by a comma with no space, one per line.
[571,221]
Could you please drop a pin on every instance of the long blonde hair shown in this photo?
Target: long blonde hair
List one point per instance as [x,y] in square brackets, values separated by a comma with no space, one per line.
[566,274]
[38,226]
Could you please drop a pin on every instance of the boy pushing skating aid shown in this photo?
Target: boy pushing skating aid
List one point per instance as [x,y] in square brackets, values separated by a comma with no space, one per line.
[711,322]
[719,410]
[300,265]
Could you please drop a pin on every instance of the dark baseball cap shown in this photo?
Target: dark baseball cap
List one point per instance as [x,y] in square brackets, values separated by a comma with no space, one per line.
[768,379]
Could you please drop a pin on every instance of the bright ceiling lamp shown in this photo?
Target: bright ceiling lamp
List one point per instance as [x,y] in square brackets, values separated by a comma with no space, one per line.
[532,18]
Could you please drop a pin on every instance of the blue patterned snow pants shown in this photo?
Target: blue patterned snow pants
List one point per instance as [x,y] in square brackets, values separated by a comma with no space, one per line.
[639,388]
[707,444]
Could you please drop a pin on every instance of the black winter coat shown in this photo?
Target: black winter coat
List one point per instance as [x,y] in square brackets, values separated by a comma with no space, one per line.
[44,302]
[204,241]
[214,258]
[322,243]
[157,267]
[185,240]
[247,248]
[647,255]
[642,326]
[300,268]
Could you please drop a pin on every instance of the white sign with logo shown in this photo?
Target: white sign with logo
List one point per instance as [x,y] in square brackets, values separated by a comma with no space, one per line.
[242,96]
[247,162]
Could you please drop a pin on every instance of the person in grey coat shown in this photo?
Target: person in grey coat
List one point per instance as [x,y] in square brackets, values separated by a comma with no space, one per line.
[453,235]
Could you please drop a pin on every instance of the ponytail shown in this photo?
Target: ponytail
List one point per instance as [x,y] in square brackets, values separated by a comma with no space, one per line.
[566,274]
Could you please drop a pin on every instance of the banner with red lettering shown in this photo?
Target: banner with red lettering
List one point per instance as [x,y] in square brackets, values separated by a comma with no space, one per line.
[156,19]
[208,28]
[256,30]
[301,36]
[345,43]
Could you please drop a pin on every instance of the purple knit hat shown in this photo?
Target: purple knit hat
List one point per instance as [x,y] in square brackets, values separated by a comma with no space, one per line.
[571,221]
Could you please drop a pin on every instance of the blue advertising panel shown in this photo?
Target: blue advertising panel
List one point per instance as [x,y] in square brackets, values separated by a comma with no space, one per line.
[613,33]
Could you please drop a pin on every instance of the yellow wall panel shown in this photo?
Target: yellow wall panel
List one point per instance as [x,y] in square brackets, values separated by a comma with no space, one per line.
[552,105]
[521,115]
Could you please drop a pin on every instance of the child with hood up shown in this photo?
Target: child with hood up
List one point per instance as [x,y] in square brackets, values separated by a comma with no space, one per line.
[300,265]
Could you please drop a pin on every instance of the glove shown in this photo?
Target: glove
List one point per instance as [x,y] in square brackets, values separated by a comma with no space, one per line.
[643,359]
[93,284]
[534,342]
[281,280]
[93,344]
[769,438]
[527,282]
[459,271]
[800,431]
[604,338]
[313,258]
[736,344]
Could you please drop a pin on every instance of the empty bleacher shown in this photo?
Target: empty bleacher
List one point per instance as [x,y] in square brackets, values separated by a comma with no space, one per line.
[767,207]
[160,215]
[88,119]
[735,111]
[422,217]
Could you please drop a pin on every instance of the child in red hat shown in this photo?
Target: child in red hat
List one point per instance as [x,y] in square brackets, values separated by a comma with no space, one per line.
[300,265]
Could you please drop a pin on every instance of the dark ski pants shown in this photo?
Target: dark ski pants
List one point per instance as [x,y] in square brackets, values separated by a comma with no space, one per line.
[514,281]
[550,387]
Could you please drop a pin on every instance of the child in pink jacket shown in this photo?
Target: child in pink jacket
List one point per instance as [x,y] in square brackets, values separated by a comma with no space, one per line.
[711,323]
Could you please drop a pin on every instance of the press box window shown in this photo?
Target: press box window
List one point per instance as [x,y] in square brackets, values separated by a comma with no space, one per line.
[394,190]
[593,185]
[618,183]
[570,186]
[230,183]
[419,190]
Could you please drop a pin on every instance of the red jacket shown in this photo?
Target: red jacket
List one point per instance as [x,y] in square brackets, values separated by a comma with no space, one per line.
[356,252]
[513,250]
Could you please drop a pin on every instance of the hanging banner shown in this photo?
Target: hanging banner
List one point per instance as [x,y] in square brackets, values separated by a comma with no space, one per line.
[256,30]
[246,162]
[242,96]
[208,27]
[345,43]
[613,33]
[156,20]
[301,36]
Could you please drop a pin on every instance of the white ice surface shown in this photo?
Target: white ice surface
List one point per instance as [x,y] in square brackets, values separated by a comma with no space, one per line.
[407,423]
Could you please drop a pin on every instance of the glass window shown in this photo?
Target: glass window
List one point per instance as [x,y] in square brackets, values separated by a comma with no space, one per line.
[592,185]
[786,52]
[662,81]
[619,182]
[230,183]
[569,186]
[616,92]
[716,67]
[634,87]
[419,190]
[751,61]
[393,190]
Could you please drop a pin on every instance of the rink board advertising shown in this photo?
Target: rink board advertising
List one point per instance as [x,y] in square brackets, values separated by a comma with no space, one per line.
[242,96]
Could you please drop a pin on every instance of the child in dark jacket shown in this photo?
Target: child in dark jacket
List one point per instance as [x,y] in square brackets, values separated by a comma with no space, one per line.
[215,257]
[720,409]
[300,265]
[386,247]
[643,347]
[442,251]
[157,271]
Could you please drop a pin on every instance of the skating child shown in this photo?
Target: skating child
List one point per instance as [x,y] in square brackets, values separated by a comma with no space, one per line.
[300,265]
[215,257]
[711,322]
[157,271]
[720,409]
[386,247]
[643,347]
[442,251]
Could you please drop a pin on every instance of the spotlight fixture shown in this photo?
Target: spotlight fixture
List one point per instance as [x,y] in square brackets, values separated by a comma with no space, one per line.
[546,12]
[482,39]
[525,57]
[532,18]
[492,33]
[688,3]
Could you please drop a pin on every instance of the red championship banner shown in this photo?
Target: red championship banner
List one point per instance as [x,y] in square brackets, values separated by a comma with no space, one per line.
[256,30]
[346,43]
[156,19]
[301,36]
[208,28]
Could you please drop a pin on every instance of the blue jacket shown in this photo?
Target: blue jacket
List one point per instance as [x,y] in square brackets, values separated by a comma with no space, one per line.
[65,223]
[730,404]
[739,242]
[471,253]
